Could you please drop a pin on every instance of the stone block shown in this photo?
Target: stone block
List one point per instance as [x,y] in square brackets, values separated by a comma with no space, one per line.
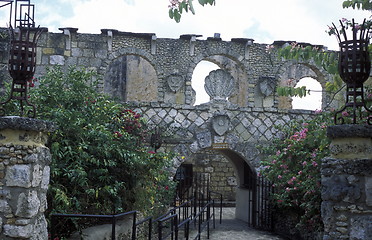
[57,60]
[18,176]
[368,190]
[28,204]
[360,228]
[15,231]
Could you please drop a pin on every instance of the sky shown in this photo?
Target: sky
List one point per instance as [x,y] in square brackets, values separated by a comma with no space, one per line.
[265,21]
[262,20]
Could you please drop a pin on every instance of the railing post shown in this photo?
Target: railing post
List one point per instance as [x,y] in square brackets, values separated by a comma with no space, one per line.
[176,227]
[113,229]
[134,226]
[53,225]
[150,228]
[159,230]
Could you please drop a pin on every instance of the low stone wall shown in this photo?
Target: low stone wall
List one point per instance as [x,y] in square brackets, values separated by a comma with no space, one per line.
[24,177]
[347,184]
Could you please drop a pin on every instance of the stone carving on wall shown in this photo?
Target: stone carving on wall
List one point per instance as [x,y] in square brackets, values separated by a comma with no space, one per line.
[220,123]
[267,85]
[219,84]
[175,82]
[204,139]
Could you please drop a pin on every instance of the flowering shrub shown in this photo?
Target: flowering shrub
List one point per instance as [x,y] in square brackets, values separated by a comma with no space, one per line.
[293,165]
[100,163]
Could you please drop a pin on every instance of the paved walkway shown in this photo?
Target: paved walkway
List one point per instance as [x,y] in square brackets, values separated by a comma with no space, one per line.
[233,229]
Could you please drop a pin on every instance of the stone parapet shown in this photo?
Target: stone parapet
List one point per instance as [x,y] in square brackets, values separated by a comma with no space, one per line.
[24,177]
[347,184]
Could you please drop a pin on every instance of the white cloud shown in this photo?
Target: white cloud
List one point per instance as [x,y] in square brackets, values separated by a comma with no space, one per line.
[264,21]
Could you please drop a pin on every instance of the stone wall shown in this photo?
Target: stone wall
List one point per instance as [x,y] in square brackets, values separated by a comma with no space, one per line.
[347,184]
[24,178]
[160,69]
[221,173]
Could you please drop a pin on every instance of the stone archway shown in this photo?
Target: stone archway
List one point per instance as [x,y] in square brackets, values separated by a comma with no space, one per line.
[292,72]
[228,172]
[131,78]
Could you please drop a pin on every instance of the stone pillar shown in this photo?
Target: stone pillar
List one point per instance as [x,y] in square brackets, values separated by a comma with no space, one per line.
[347,184]
[24,177]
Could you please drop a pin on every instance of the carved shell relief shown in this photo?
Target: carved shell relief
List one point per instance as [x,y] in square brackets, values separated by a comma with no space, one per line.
[219,84]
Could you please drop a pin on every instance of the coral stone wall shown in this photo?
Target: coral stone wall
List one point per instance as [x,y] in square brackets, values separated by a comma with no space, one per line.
[24,178]
[347,184]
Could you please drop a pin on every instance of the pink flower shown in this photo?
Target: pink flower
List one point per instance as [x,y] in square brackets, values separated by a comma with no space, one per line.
[300,172]
[345,114]
[278,153]
[304,163]
[314,164]
[279,176]
[318,111]
[287,189]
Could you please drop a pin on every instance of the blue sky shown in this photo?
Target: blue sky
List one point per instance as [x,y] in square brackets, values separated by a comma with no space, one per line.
[265,21]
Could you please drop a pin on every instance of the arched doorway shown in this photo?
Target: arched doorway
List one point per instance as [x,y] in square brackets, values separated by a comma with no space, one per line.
[230,174]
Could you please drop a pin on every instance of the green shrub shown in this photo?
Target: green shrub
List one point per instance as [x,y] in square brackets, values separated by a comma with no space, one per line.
[100,161]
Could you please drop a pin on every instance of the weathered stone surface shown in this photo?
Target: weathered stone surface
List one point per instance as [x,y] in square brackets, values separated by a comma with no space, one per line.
[360,228]
[28,204]
[18,176]
[18,231]
[21,123]
[349,131]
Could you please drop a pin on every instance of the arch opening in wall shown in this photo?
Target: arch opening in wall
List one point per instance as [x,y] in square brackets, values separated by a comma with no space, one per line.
[201,71]
[131,78]
[313,99]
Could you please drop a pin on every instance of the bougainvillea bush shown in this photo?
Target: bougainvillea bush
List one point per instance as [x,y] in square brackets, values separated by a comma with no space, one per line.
[101,163]
[293,166]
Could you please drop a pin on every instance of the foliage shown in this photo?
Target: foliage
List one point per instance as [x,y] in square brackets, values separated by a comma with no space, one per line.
[177,7]
[326,60]
[100,162]
[360,4]
[293,165]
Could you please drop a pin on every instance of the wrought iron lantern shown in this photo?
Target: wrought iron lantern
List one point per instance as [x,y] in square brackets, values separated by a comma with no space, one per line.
[22,57]
[354,68]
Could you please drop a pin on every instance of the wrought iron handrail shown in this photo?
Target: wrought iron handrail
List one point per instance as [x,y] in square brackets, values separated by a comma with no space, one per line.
[113,218]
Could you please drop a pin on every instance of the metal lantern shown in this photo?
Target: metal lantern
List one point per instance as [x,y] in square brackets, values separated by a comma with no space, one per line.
[354,68]
[22,56]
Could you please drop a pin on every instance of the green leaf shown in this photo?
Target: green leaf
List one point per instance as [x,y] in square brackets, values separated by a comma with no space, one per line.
[191,7]
[202,2]
[171,13]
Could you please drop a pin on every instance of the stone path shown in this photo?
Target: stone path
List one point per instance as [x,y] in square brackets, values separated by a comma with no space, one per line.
[233,229]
